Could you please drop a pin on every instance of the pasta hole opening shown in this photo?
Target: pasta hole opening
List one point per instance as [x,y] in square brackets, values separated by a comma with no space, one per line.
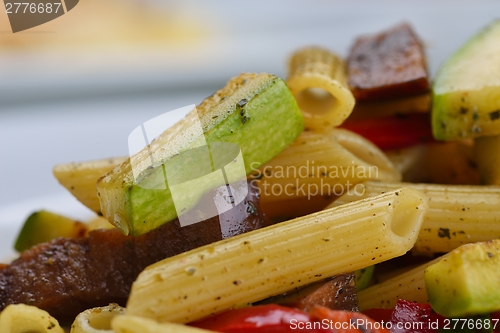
[316,101]
[102,321]
[405,215]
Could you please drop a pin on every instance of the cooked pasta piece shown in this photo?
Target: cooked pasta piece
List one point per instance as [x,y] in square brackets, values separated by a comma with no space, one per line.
[96,320]
[324,164]
[21,318]
[409,286]
[458,214]
[81,179]
[318,80]
[487,156]
[133,324]
[244,269]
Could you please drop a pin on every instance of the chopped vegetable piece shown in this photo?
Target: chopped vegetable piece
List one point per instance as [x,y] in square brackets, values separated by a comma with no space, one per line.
[388,65]
[137,198]
[394,132]
[381,315]
[133,324]
[495,320]
[43,226]
[410,317]
[466,92]
[346,321]
[364,277]
[262,318]
[465,281]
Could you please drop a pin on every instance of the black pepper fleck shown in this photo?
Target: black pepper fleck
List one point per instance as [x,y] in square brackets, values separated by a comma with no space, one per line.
[495,115]
[444,233]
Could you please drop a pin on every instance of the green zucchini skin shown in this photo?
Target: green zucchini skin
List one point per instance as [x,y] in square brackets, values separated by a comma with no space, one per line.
[466,92]
[256,113]
[43,226]
[465,281]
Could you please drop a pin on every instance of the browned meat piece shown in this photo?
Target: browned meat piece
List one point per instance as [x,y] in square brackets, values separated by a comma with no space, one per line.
[389,65]
[67,276]
[338,293]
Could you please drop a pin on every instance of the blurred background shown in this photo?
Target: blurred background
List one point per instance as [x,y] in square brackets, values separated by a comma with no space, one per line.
[74,88]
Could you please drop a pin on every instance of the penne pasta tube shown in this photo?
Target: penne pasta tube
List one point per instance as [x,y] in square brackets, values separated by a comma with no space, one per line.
[318,80]
[96,320]
[22,318]
[244,269]
[344,157]
[458,214]
[133,324]
[325,164]
[81,179]
[409,286]
[487,157]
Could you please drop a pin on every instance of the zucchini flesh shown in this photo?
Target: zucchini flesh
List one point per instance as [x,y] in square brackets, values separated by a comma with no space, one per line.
[256,113]
[466,96]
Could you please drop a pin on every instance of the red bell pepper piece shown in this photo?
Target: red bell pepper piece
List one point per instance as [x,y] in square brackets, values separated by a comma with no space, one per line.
[408,317]
[346,321]
[380,315]
[263,318]
[495,321]
[393,132]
